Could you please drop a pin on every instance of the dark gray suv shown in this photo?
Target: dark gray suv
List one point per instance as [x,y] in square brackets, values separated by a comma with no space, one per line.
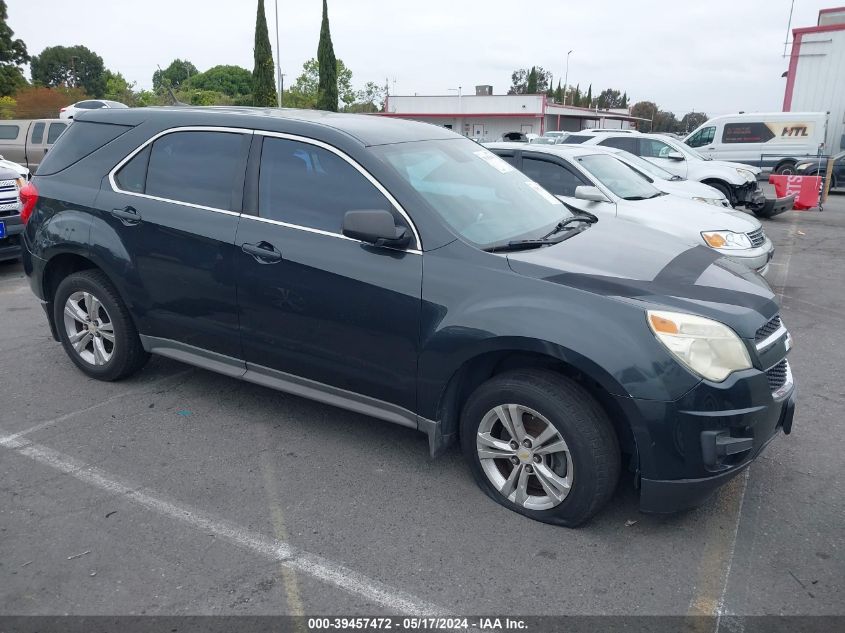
[402,271]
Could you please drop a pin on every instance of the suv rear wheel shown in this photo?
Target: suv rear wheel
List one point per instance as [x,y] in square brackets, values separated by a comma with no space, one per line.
[95,328]
[539,444]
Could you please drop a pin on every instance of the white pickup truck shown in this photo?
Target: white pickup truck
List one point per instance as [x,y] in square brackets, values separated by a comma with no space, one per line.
[25,141]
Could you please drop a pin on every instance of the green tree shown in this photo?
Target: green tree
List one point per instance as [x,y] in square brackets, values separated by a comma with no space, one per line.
[233,81]
[72,66]
[644,110]
[118,89]
[303,92]
[263,82]
[558,93]
[531,86]
[327,90]
[624,100]
[588,100]
[690,121]
[177,73]
[519,80]
[12,55]
[369,99]
[609,98]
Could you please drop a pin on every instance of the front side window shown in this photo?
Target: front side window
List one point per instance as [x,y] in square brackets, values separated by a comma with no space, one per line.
[618,177]
[310,186]
[703,137]
[54,132]
[196,167]
[652,148]
[478,195]
[553,176]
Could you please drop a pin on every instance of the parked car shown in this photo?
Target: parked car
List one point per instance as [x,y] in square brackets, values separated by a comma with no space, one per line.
[668,182]
[69,112]
[736,181]
[815,167]
[774,141]
[19,169]
[10,214]
[591,179]
[27,141]
[402,271]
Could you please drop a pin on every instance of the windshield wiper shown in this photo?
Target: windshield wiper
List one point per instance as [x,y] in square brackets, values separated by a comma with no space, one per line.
[522,245]
[675,177]
[654,195]
[589,218]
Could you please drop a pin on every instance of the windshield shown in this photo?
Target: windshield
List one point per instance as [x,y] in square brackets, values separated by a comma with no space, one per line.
[644,166]
[618,177]
[543,140]
[480,196]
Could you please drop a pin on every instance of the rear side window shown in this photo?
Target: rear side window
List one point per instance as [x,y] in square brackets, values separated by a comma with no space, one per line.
[309,186]
[756,132]
[80,140]
[621,142]
[9,132]
[554,178]
[196,167]
[55,132]
[89,105]
[38,133]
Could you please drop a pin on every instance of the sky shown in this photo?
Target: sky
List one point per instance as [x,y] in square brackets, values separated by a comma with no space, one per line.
[718,56]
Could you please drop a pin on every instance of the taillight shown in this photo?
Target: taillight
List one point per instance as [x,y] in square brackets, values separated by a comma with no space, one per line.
[63,109]
[29,196]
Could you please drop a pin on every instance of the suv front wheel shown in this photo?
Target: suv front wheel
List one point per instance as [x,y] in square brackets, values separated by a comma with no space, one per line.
[95,327]
[539,444]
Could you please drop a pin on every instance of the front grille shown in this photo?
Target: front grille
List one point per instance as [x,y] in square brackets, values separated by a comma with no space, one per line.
[767,330]
[757,237]
[10,213]
[777,375]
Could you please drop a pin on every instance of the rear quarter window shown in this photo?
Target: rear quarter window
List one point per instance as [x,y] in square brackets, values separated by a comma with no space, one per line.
[9,132]
[77,142]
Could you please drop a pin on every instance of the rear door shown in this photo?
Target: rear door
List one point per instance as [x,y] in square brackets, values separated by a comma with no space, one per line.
[173,206]
[313,303]
[36,145]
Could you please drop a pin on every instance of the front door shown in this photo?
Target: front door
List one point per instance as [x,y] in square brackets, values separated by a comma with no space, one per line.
[561,180]
[173,218]
[313,303]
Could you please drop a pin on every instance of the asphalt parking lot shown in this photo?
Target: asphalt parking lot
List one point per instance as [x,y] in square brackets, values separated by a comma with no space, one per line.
[180,491]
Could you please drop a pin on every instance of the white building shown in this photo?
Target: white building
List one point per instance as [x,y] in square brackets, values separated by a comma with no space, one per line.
[815,80]
[485,117]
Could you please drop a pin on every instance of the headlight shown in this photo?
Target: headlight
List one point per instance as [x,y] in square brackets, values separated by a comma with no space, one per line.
[726,240]
[709,348]
[719,202]
[747,174]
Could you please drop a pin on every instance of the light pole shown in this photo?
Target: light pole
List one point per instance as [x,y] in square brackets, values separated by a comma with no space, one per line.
[566,77]
[278,58]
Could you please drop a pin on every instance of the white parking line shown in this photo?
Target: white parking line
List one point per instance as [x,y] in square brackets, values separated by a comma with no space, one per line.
[304,562]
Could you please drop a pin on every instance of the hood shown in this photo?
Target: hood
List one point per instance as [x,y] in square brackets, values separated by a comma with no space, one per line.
[686,218]
[688,189]
[635,264]
[19,169]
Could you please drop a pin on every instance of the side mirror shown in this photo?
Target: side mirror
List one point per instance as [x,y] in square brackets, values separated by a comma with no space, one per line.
[675,156]
[593,194]
[375,227]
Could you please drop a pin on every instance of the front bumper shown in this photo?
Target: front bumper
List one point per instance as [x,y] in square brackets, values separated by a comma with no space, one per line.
[755,258]
[750,196]
[689,447]
[11,245]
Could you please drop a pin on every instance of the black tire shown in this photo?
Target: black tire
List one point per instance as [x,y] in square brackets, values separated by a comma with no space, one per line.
[785,169]
[128,355]
[580,420]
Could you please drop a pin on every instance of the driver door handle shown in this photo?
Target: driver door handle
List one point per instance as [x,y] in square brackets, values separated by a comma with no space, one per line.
[263,252]
[128,215]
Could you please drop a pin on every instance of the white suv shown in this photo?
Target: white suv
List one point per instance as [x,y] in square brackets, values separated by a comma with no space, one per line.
[736,181]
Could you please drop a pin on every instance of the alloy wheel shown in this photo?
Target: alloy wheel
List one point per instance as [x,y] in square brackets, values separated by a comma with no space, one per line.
[89,328]
[525,457]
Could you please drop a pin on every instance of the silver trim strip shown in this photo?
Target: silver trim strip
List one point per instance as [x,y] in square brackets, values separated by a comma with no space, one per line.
[282,381]
[771,338]
[355,165]
[293,137]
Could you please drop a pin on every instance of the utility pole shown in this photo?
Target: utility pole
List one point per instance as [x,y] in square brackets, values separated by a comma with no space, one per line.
[279,75]
[566,77]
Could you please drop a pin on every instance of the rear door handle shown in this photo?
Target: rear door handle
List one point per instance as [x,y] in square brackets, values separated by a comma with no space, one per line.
[263,252]
[128,215]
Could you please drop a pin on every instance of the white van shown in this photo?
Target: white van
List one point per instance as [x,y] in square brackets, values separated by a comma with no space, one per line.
[773,141]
